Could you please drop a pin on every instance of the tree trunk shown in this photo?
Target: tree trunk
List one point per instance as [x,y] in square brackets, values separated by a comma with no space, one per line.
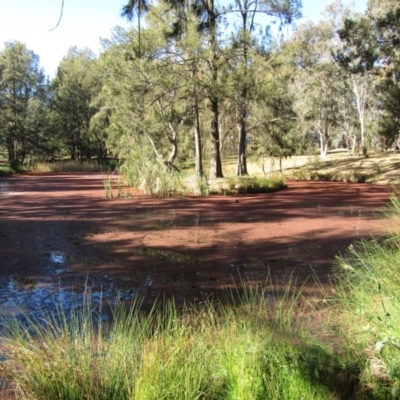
[241,109]
[324,144]
[360,90]
[241,126]
[215,162]
[198,170]
[12,150]
[174,151]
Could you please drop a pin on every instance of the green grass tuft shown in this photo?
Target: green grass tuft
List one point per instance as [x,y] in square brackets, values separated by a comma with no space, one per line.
[66,166]
[369,282]
[234,351]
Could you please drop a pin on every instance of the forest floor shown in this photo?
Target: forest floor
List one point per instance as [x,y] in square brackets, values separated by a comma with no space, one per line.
[378,167]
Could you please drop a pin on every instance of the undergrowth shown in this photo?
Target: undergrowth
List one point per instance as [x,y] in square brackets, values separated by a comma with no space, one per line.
[66,166]
[251,346]
[246,184]
[151,176]
[368,284]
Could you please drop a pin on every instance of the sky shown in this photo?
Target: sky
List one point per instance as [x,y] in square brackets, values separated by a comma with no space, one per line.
[83,23]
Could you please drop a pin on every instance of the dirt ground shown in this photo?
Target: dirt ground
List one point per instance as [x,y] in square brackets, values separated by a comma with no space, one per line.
[57,231]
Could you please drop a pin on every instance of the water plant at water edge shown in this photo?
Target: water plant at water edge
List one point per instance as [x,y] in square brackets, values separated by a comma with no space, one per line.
[66,166]
[249,347]
[108,182]
[369,282]
[151,176]
[247,184]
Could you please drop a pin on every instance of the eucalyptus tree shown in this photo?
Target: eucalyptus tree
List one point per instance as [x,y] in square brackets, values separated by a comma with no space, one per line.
[385,17]
[335,58]
[272,120]
[358,56]
[317,87]
[22,85]
[247,15]
[75,86]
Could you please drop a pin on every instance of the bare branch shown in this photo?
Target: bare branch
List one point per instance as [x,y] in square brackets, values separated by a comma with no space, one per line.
[59,19]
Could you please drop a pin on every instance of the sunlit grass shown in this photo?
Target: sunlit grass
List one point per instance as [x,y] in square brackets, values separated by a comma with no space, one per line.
[368,283]
[247,184]
[66,166]
[250,346]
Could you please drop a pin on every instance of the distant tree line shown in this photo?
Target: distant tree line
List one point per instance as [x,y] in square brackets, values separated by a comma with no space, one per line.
[198,81]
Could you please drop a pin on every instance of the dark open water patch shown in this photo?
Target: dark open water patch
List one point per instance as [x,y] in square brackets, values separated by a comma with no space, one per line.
[24,298]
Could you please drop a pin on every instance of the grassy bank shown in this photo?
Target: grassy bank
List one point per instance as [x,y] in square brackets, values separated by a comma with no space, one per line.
[369,288]
[254,348]
[378,167]
[67,166]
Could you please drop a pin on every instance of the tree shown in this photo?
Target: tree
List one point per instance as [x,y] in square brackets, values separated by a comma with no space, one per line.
[385,17]
[272,120]
[153,106]
[75,86]
[358,56]
[245,46]
[317,87]
[336,60]
[22,85]
[208,18]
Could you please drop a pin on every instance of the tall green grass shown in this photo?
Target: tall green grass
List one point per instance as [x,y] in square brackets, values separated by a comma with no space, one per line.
[151,176]
[247,184]
[246,348]
[66,166]
[369,290]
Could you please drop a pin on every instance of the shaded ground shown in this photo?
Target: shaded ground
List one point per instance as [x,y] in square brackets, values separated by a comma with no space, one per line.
[59,231]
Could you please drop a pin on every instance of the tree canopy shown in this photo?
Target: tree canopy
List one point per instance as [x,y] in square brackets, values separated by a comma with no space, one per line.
[198,81]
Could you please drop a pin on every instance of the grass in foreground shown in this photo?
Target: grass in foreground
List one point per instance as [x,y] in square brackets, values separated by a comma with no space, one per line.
[250,349]
[369,283]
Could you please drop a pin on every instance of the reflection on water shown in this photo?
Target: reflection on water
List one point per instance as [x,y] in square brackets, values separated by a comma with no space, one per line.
[3,187]
[60,291]
[22,297]
[57,257]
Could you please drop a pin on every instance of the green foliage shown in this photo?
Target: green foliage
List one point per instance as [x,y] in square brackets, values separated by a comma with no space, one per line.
[369,292]
[202,187]
[22,98]
[225,352]
[75,88]
[108,183]
[142,171]
[246,184]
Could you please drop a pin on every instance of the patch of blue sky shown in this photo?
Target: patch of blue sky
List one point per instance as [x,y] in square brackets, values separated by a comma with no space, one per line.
[83,23]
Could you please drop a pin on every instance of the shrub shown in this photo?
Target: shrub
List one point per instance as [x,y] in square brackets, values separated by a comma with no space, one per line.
[151,176]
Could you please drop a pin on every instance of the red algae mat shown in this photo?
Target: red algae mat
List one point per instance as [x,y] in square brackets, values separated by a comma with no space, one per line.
[58,230]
